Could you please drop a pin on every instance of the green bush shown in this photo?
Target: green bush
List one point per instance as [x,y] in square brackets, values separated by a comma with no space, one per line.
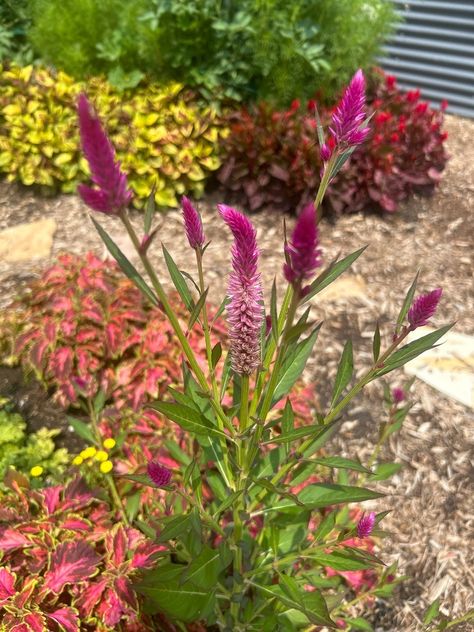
[163,136]
[14,23]
[243,49]
[23,452]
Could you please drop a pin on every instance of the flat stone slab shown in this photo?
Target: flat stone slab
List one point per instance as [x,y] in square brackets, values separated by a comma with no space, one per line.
[448,368]
[27,241]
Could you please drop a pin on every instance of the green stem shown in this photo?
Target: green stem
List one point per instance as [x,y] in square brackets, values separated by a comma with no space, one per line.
[205,327]
[110,480]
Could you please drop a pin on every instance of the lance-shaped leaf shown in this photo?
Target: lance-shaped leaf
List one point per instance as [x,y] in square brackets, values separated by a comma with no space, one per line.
[331,273]
[149,211]
[205,569]
[127,268]
[340,462]
[408,301]
[197,309]
[294,365]
[73,561]
[82,429]
[188,419]
[274,312]
[376,343]
[178,281]
[344,372]
[412,350]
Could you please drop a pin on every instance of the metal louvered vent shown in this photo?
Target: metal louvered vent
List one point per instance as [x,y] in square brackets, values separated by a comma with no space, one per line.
[434,50]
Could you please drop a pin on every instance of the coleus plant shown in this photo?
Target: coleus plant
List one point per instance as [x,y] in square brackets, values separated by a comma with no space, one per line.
[253,555]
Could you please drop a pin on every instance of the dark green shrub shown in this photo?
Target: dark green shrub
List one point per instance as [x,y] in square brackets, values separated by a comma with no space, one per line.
[244,49]
[14,22]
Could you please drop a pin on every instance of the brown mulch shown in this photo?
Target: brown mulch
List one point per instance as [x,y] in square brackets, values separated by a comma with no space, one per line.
[432,519]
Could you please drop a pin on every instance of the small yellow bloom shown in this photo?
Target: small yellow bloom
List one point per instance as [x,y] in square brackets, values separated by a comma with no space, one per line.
[37,470]
[106,467]
[77,460]
[101,455]
[89,452]
[109,443]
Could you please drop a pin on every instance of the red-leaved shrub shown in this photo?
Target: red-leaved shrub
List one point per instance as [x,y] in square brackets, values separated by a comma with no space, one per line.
[272,158]
[67,564]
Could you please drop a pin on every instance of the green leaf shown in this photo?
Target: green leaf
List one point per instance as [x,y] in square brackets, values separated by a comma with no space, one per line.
[376,343]
[226,373]
[178,281]
[331,273]
[174,527]
[341,560]
[204,570]
[150,210]
[304,431]
[412,350]
[127,268]
[133,505]
[197,309]
[408,301]
[293,366]
[325,527]
[384,471]
[216,354]
[432,612]
[82,429]
[341,160]
[99,402]
[221,309]
[344,371]
[187,418]
[325,494]
[227,502]
[274,312]
[341,462]
[360,624]
[176,453]
[165,594]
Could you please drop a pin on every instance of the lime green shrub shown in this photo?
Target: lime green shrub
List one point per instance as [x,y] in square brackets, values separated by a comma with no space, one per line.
[163,135]
[24,452]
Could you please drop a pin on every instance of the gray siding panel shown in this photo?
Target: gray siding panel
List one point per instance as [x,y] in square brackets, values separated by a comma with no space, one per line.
[433,50]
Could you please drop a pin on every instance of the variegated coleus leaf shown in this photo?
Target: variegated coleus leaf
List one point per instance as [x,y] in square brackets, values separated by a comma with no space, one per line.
[67,619]
[72,561]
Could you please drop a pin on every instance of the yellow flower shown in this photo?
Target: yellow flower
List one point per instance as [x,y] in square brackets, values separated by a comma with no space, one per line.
[109,443]
[77,460]
[88,453]
[101,455]
[106,467]
[37,470]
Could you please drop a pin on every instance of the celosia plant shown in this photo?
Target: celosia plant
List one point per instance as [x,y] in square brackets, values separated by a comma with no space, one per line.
[270,158]
[164,137]
[252,554]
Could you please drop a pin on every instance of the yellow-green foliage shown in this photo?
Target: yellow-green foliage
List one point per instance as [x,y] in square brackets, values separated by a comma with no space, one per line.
[162,135]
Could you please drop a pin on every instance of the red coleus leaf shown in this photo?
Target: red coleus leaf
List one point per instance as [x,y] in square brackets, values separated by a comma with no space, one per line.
[11,539]
[7,584]
[113,334]
[35,622]
[66,618]
[73,561]
[61,362]
[51,498]
[116,545]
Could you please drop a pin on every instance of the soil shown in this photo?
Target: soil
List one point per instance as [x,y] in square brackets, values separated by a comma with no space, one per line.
[431,523]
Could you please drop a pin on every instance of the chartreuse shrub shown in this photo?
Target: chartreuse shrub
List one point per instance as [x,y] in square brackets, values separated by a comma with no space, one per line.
[242,49]
[255,513]
[271,158]
[163,136]
[33,454]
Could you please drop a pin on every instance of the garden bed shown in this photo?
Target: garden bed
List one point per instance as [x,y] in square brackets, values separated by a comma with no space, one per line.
[430,498]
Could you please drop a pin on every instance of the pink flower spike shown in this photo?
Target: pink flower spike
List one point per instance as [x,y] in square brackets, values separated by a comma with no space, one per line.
[423,308]
[112,194]
[159,475]
[366,525]
[192,224]
[245,310]
[302,251]
[325,152]
[350,114]
[398,395]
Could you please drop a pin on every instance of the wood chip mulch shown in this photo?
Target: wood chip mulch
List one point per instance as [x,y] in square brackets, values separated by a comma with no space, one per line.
[432,519]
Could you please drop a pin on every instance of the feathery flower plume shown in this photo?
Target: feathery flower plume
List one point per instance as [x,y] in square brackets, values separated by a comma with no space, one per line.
[192,224]
[158,474]
[423,308]
[245,313]
[350,114]
[398,395]
[302,251]
[112,193]
[365,525]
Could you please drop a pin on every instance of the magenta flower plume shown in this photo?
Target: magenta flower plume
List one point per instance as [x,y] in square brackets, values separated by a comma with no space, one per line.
[302,252]
[350,114]
[159,475]
[192,224]
[366,525]
[423,308]
[112,193]
[245,310]
[398,395]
